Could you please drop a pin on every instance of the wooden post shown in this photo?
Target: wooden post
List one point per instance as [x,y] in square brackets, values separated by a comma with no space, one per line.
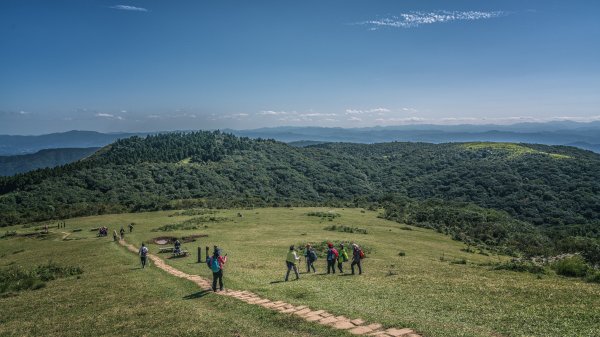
[207,251]
[199,254]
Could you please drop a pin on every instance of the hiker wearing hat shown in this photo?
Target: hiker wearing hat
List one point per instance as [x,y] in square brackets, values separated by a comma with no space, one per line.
[311,257]
[357,255]
[216,263]
[332,256]
[343,257]
[290,261]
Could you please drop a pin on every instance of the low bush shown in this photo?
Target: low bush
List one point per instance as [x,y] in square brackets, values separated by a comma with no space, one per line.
[14,279]
[345,229]
[574,266]
[521,266]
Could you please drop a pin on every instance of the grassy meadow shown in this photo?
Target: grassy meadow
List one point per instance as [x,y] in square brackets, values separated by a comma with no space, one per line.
[434,287]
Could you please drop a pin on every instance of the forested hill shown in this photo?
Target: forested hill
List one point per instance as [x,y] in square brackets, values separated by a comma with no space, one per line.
[542,185]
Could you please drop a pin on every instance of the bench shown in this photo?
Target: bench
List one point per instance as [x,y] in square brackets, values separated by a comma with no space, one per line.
[166,250]
[182,253]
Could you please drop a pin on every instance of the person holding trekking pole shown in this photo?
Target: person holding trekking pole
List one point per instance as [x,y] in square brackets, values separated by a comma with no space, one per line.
[357,255]
[290,261]
[343,257]
[216,263]
[143,255]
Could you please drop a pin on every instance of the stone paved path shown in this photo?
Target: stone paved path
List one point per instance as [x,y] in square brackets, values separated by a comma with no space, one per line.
[353,326]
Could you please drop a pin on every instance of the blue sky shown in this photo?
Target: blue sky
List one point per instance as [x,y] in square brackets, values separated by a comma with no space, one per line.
[146,65]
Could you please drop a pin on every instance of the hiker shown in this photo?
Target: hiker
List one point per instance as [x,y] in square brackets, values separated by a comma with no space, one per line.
[122,231]
[343,257]
[177,249]
[46,228]
[115,235]
[143,255]
[357,255]
[131,227]
[311,257]
[290,261]
[215,263]
[332,255]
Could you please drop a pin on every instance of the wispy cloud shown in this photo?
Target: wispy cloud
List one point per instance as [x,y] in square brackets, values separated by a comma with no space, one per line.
[416,19]
[129,8]
[360,112]
[275,113]
[109,116]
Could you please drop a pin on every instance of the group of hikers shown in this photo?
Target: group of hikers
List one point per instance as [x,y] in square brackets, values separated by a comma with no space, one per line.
[103,231]
[121,232]
[333,255]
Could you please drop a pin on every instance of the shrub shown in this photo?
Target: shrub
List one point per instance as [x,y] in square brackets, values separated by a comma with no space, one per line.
[593,276]
[574,266]
[401,254]
[521,266]
[406,228]
[345,229]
[14,279]
[324,215]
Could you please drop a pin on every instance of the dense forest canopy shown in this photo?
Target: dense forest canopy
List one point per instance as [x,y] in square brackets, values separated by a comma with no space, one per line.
[553,187]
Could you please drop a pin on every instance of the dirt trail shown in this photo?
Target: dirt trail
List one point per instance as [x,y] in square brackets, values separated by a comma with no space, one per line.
[354,326]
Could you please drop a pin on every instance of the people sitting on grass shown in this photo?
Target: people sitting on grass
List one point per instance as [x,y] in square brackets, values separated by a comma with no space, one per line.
[311,256]
[103,231]
[177,249]
[332,256]
[357,255]
[343,257]
[290,261]
[143,255]
[216,263]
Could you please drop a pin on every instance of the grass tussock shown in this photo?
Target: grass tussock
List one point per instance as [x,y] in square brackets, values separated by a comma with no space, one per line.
[14,279]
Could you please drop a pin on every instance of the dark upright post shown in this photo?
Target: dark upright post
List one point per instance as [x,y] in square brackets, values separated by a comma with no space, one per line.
[199,254]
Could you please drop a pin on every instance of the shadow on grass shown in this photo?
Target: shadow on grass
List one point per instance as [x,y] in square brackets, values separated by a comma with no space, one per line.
[196,295]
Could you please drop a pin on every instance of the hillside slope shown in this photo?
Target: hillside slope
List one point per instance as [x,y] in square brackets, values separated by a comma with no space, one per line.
[543,185]
[11,165]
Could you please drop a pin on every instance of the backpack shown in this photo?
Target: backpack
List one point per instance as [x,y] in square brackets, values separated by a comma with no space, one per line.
[312,255]
[344,256]
[335,253]
[361,254]
[144,251]
[214,265]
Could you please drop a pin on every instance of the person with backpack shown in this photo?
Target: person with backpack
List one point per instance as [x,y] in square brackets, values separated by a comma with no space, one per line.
[311,257]
[122,231]
[290,261]
[357,255]
[143,255]
[131,227]
[332,256]
[343,257]
[216,263]
[115,235]
[177,249]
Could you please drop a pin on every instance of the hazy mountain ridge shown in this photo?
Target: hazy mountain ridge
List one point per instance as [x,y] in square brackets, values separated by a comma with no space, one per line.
[11,165]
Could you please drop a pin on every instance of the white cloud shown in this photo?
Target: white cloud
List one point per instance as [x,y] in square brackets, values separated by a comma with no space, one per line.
[129,8]
[104,115]
[275,113]
[109,116]
[22,112]
[359,112]
[355,119]
[417,18]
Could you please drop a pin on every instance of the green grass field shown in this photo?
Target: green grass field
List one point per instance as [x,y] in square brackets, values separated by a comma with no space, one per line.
[422,290]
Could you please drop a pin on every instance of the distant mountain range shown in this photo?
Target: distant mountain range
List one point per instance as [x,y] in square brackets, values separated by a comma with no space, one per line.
[582,135]
[11,165]
[15,145]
